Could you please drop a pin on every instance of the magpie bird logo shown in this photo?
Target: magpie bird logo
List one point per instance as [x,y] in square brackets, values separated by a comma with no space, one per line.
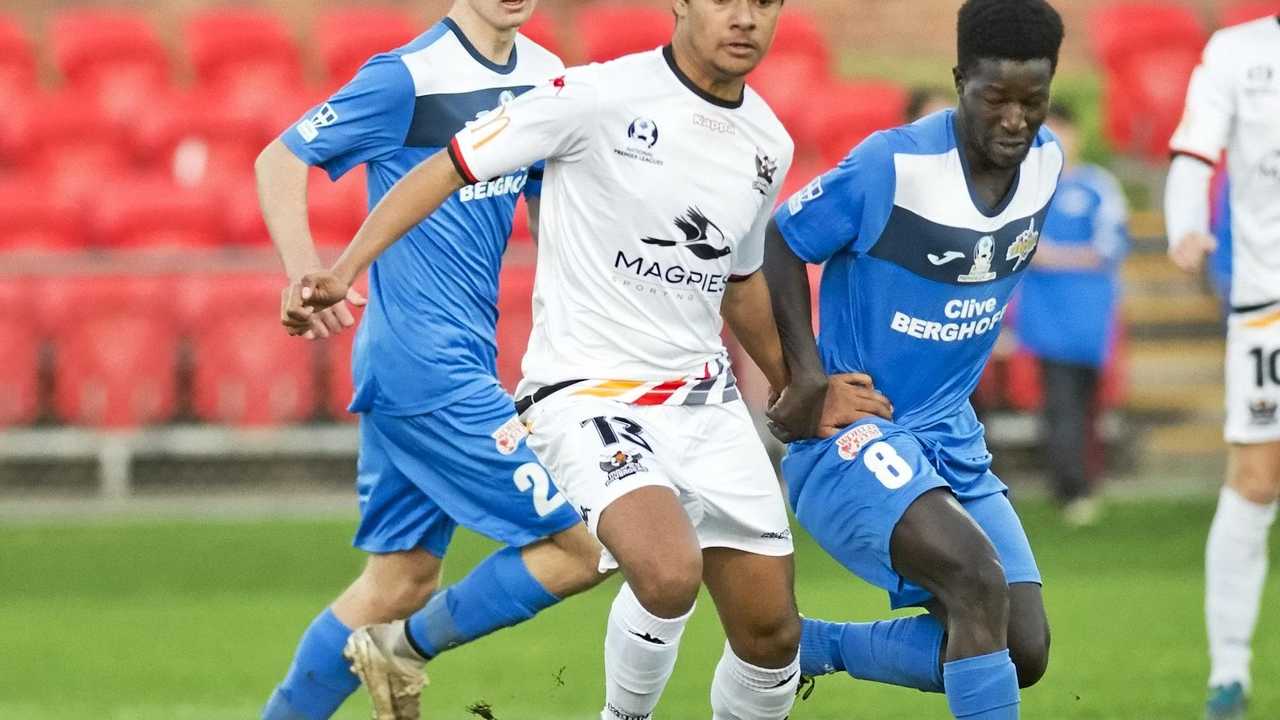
[702,237]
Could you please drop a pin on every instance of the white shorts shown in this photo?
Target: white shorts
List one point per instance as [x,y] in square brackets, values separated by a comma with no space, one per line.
[1253,376]
[710,456]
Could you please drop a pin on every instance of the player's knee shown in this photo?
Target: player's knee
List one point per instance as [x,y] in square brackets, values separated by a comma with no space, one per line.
[768,642]
[577,562]
[667,586]
[396,586]
[977,589]
[403,596]
[1029,650]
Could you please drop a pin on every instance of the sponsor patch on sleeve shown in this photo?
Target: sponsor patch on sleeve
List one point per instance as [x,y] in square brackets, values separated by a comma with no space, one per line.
[855,438]
[507,438]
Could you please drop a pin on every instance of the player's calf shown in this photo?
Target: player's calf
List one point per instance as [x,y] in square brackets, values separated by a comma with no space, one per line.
[566,563]
[392,586]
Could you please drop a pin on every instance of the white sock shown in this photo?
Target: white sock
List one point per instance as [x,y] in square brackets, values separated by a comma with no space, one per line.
[742,691]
[1235,572]
[639,654]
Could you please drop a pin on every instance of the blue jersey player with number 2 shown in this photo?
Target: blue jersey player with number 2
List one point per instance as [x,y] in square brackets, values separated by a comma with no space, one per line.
[440,443]
[925,231]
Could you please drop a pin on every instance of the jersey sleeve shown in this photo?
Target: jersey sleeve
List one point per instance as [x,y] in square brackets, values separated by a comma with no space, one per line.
[366,120]
[1210,109]
[826,216]
[553,121]
[750,255]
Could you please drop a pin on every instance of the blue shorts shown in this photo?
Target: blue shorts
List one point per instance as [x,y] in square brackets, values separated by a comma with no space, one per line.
[420,476]
[850,491]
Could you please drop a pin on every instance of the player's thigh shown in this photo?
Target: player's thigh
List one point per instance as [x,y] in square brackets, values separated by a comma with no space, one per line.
[999,521]
[396,515]
[735,499]
[939,546]
[1253,470]
[850,492]
[598,450]
[471,459]
[755,598]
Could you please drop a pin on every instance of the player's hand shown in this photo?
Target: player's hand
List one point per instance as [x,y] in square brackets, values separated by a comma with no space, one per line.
[851,397]
[795,413]
[313,306]
[1189,251]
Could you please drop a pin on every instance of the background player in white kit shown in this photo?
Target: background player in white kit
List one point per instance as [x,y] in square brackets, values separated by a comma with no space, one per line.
[662,172]
[1234,103]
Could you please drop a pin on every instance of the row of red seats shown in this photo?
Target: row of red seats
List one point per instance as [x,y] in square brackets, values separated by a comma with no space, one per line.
[118,345]
[1147,51]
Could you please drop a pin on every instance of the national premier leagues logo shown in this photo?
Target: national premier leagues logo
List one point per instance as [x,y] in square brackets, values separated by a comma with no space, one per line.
[643,131]
[983,253]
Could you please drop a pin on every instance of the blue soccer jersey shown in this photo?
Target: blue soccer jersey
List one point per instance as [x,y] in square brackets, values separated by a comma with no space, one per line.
[428,334]
[918,269]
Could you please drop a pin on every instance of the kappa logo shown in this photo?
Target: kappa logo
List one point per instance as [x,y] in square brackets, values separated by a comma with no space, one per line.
[507,438]
[983,253]
[946,257]
[853,440]
[1023,245]
[1263,412]
[309,128]
[766,167]
[715,125]
[621,465]
[1269,166]
[702,237]
[807,194]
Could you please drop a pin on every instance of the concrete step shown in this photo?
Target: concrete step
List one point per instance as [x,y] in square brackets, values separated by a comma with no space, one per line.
[1182,441]
[1166,310]
[1192,399]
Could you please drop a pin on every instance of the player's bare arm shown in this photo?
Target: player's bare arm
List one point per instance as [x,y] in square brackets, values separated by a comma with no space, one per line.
[412,199]
[282,194]
[810,404]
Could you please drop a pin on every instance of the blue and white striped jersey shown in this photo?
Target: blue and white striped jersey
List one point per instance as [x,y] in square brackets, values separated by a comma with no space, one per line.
[428,334]
[918,268]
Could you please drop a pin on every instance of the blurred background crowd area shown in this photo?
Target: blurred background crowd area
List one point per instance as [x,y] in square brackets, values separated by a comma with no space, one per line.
[143,291]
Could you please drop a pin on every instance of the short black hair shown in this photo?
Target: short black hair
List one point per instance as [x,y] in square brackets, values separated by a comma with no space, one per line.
[1008,30]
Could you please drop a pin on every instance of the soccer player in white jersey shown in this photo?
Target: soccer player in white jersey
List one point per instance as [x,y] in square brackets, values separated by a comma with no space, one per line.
[662,171]
[1233,103]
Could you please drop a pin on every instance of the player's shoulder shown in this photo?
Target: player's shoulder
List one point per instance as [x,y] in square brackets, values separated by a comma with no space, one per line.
[536,58]
[1240,43]
[762,115]
[931,135]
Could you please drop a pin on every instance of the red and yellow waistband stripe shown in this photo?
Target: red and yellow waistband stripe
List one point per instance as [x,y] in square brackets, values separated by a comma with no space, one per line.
[661,393]
[611,388]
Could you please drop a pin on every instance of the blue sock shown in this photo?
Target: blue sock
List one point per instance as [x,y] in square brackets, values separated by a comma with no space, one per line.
[904,651]
[497,593]
[983,687]
[319,679]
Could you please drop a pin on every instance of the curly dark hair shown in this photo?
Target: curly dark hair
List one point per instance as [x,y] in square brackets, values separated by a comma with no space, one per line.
[1008,30]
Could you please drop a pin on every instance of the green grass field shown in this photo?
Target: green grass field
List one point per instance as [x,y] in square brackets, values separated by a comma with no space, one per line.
[197,621]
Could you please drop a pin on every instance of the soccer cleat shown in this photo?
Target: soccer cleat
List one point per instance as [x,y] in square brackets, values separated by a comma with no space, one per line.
[1226,702]
[391,671]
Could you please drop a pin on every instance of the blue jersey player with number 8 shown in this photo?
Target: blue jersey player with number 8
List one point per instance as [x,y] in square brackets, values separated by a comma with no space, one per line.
[925,231]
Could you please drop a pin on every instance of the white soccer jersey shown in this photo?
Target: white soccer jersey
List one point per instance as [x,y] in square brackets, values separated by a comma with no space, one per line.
[656,196]
[1234,102]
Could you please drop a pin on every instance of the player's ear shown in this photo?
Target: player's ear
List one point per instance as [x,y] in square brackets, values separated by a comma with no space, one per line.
[680,8]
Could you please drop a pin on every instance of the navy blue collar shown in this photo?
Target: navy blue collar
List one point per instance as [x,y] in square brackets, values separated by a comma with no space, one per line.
[978,203]
[462,38]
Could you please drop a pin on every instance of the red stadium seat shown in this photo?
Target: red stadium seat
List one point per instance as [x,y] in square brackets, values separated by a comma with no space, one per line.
[75,147]
[853,111]
[247,369]
[246,54]
[799,36]
[1148,51]
[33,220]
[17,60]
[1242,12]
[346,37]
[612,29]
[157,215]
[20,357]
[201,143]
[111,55]
[515,321]
[520,232]
[542,30]
[789,85]
[115,350]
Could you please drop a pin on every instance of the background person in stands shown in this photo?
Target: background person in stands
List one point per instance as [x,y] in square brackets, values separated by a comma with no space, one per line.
[1067,316]
[927,100]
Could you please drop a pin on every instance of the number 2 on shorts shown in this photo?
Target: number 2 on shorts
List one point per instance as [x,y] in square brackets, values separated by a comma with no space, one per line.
[890,469]
[532,476]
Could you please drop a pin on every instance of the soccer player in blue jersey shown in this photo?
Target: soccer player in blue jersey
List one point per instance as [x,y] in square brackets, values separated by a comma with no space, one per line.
[925,231]
[440,443]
